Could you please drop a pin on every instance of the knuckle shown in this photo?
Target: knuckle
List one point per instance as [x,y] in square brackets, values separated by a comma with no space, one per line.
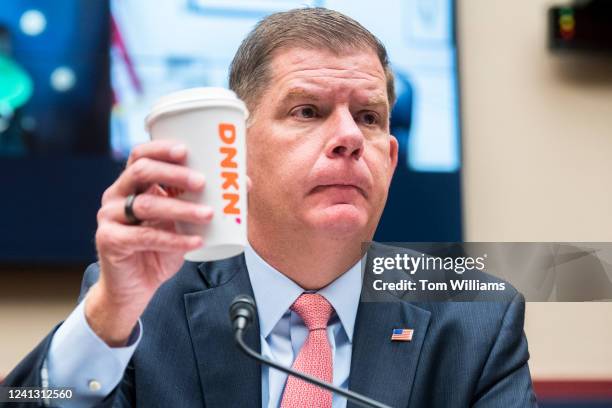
[103,236]
[138,151]
[149,236]
[140,168]
[144,204]
[108,237]
[101,215]
[106,195]
[134,154]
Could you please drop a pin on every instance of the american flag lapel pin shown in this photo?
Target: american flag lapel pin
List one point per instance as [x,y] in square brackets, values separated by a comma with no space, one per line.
[402,334]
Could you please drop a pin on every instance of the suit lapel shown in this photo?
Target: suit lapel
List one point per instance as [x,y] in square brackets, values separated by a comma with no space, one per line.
[228,377]
[380,368]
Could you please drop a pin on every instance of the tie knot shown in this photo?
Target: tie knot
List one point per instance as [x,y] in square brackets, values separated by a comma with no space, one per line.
[314,310]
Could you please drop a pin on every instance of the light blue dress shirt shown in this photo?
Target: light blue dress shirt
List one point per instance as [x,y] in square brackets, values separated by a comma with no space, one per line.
[78,358]
[283,332]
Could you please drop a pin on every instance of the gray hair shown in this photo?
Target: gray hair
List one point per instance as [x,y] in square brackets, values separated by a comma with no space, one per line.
[313,28]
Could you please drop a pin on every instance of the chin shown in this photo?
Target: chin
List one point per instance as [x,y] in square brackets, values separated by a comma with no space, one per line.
[341,220]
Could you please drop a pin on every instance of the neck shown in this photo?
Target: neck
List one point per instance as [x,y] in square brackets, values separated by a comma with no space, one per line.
[312,260]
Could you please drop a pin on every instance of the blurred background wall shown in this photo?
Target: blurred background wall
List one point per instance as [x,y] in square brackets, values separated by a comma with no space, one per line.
[537,142]
[537,160]
[32,301]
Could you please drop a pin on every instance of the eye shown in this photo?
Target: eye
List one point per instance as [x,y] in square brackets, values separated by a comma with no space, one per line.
[368,118]
[304,112]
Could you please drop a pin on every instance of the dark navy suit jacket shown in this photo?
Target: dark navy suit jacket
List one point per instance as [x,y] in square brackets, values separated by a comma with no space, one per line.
[463,354]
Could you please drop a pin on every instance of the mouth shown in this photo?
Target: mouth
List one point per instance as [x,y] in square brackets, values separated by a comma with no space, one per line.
[343,190]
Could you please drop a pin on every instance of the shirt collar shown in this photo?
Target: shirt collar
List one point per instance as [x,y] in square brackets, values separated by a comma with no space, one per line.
[275,293]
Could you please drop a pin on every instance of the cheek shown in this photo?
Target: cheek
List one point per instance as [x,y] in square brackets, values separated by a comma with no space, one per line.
[260,153]
[379,164]
[275,158]
[275,171]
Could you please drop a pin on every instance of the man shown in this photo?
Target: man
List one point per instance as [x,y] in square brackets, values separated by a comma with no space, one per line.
[320,159]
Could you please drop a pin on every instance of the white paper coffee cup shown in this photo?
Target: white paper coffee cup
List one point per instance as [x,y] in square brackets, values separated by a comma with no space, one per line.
[211,122]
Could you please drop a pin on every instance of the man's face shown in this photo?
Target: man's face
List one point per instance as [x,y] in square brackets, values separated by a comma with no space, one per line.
[320,155]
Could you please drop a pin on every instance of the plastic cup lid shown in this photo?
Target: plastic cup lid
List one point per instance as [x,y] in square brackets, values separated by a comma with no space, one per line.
[194,98]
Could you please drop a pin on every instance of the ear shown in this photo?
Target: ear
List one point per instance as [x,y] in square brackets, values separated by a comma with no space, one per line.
[393,152]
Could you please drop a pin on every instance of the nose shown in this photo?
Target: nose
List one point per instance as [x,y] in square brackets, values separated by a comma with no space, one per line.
[347,139]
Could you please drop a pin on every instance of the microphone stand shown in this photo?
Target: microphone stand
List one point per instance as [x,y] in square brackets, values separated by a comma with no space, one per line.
[357,398]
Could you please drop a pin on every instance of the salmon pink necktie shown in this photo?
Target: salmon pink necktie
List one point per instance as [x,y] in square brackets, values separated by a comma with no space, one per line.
[315,357]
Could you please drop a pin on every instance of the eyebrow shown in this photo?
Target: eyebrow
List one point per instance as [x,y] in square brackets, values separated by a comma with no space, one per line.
[377,100]
[301,93]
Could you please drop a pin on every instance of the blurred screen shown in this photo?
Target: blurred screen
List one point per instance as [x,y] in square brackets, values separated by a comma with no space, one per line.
[54,82]
[188,43]
[77,78]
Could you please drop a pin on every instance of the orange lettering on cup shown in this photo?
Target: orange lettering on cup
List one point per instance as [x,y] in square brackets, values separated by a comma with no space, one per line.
[227,134]
[231,208]
[230,179]
[228,161]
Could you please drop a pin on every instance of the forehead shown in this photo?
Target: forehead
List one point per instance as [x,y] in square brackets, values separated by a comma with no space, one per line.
[353,72]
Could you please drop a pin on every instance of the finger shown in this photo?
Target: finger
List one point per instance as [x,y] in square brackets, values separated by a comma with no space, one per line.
[146,172]
[110,193]
[249,184]
[127,239]
[162,150]
[172,191]
[158,190]
[150,207]
[163,225]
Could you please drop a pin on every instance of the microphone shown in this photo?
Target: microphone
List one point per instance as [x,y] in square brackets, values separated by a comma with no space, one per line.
[242,313]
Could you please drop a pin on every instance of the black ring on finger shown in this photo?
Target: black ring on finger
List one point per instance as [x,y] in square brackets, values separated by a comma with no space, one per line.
[128,210]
